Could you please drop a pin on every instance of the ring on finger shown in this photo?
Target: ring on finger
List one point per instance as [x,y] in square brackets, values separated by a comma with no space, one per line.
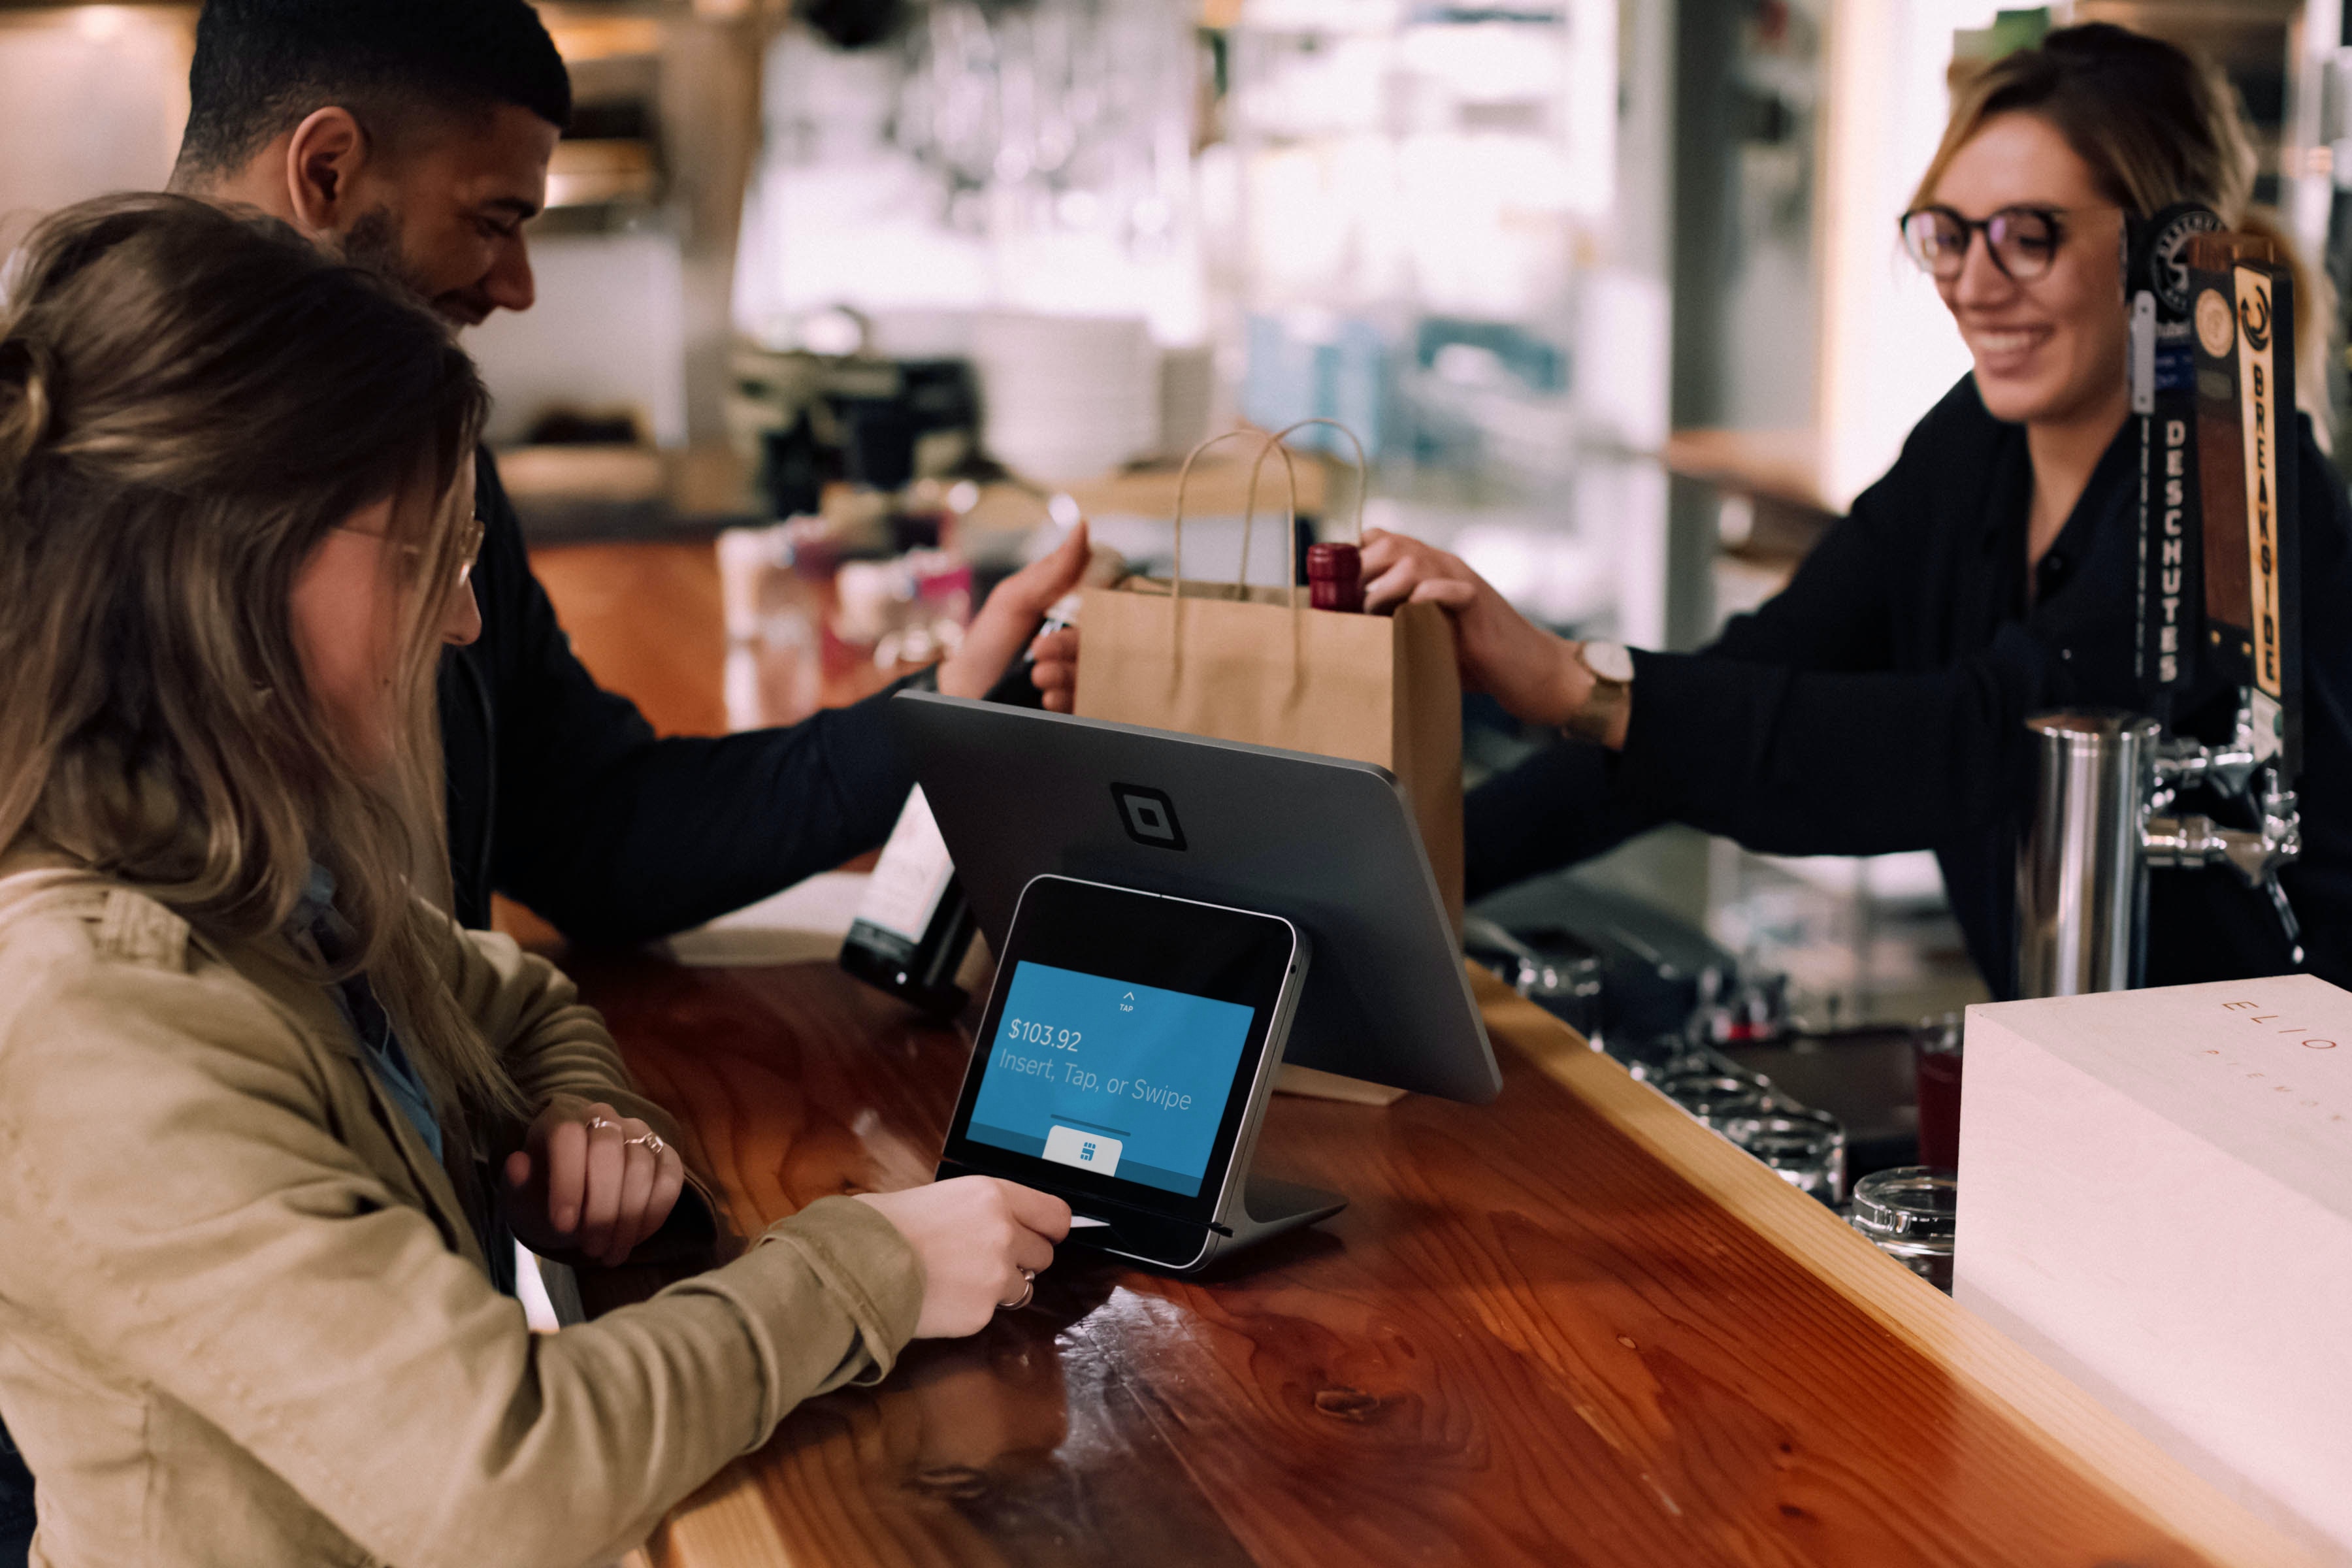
[1028,1291]
[652,1141]
[597,1123]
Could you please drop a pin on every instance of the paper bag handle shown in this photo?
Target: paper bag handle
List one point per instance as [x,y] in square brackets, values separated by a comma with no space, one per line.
[1185,479]
[1274,443]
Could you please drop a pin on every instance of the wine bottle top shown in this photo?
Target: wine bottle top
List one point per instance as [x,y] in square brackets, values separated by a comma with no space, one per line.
[1334,577]
[1342,562]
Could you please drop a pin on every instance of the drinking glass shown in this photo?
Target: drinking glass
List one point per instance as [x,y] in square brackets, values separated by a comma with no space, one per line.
[1936,1059]
[1804,1148]
[1911,1212]
[1718,1098]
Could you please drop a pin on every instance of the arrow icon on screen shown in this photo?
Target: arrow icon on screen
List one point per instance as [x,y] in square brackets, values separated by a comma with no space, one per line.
[1127,1003]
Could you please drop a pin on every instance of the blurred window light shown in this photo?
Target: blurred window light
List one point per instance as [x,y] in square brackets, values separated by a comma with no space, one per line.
[101,24]
[1889,350]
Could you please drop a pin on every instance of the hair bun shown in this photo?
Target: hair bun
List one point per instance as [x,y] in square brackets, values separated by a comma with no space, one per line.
[24,400]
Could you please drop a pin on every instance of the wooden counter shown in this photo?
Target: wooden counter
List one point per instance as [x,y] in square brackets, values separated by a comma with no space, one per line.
[1571,1327]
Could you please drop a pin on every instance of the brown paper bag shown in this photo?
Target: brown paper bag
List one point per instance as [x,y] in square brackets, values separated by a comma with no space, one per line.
[1256,665]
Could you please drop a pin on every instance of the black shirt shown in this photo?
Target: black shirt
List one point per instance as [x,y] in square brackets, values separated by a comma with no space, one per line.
[560,796]
[1879,703]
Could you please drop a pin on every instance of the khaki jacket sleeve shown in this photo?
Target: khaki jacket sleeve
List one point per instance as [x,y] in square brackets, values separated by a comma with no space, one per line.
[552,1042]
[176,1197]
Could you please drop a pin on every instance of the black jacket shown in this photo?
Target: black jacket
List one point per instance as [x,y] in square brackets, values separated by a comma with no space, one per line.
[561,797]
[1879,704]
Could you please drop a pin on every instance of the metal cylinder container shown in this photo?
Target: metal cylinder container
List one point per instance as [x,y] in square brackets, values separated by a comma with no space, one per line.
[2082,883]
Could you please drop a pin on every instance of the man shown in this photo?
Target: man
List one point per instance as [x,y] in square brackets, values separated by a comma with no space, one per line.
[414,136]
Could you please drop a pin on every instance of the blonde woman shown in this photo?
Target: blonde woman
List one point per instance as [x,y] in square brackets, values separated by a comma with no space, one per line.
[264,1112]
[1879,703]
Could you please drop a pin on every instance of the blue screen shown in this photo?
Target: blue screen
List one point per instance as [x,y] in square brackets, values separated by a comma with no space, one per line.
[1100,1075]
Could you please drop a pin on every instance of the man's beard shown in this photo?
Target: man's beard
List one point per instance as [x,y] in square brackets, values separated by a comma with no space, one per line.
[373,242]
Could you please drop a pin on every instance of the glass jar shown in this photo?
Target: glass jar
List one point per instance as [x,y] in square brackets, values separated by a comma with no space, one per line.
[1718,1098]
[1804,1148]
[1566,984]
[1659,1057]
[1911,1213]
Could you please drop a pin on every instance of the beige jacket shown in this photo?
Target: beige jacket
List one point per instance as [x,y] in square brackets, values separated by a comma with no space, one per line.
[243,1320]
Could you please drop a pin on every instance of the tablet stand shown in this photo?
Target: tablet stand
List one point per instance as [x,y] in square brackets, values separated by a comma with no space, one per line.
[1271,1208]
[1258,1208]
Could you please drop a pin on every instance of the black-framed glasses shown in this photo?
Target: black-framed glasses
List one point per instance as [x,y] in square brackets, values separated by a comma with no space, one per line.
[2021,240]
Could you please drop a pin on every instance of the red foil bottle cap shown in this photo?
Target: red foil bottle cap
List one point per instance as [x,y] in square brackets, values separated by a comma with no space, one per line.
[1334,577]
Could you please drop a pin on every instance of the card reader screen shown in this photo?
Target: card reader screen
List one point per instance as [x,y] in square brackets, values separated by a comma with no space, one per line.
[1122,1079]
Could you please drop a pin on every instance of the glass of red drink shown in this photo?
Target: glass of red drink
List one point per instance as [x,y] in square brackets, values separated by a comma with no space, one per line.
[1936,1055]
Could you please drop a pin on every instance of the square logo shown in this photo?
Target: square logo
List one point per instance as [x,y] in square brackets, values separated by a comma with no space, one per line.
[1149,816]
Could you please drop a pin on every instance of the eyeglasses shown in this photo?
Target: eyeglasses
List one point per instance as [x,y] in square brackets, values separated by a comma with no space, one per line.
[2022,241]
[469,547]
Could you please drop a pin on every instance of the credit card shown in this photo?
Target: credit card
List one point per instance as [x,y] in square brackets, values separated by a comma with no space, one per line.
[1081,1222]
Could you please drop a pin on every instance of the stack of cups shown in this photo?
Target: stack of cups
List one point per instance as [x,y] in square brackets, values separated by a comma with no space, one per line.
[1068,397]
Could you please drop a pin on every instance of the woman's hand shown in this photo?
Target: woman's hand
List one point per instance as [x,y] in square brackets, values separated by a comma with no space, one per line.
[590,1180]
[1529,670]
[1012,615]
[976,1236]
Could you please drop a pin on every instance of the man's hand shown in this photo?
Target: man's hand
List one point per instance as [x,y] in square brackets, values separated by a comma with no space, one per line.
[1010,617]
[1529,670]
[589,1180]
[1055,670]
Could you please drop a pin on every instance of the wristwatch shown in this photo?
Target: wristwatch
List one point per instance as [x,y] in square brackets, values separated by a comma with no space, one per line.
[1602,715]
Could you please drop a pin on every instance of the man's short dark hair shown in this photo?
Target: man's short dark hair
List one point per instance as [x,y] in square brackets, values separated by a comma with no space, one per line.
[261,66]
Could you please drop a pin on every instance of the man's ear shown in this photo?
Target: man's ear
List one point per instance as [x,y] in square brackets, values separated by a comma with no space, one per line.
[323,160]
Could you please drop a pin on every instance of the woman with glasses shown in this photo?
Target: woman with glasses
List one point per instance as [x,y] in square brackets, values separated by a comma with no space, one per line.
[1879,703]
[269,1122]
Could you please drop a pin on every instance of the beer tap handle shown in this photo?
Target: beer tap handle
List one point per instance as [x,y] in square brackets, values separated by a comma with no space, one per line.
[2293,926]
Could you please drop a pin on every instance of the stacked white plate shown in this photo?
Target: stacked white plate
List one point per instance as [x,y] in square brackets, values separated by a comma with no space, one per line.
[1068,397]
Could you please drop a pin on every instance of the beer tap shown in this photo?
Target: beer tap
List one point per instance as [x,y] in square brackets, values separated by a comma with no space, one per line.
[2231,770]
[2212,383]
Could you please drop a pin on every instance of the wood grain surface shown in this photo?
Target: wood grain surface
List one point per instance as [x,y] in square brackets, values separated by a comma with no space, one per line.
[1568,1328]
[1571,1327]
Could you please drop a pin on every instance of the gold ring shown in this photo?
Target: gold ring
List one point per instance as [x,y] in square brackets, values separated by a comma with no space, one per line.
[652,1141]
[1028,1291]
[596,1122]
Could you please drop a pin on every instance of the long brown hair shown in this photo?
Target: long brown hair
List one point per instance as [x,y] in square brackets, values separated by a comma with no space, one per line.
[189,401]
[2157,125]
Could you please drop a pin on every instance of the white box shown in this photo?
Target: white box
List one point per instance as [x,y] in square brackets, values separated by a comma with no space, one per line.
[2156,1198]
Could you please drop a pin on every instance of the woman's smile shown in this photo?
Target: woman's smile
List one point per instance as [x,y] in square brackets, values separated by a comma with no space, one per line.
[2007,350]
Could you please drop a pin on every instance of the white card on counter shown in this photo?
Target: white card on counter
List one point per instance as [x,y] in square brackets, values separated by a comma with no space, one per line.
[911,876]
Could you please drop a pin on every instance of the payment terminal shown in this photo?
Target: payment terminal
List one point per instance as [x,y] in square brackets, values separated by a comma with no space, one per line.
[1124,1063]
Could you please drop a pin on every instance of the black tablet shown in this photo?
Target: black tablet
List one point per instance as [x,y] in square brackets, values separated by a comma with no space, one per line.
[1125,1053]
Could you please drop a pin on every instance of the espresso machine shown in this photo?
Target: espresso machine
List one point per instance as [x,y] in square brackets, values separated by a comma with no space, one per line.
[2212,395]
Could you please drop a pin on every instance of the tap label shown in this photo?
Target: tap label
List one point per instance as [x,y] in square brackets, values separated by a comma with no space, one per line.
[2259,420]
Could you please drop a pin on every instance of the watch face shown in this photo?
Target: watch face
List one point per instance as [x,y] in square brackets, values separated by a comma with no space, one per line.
[1609,660]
